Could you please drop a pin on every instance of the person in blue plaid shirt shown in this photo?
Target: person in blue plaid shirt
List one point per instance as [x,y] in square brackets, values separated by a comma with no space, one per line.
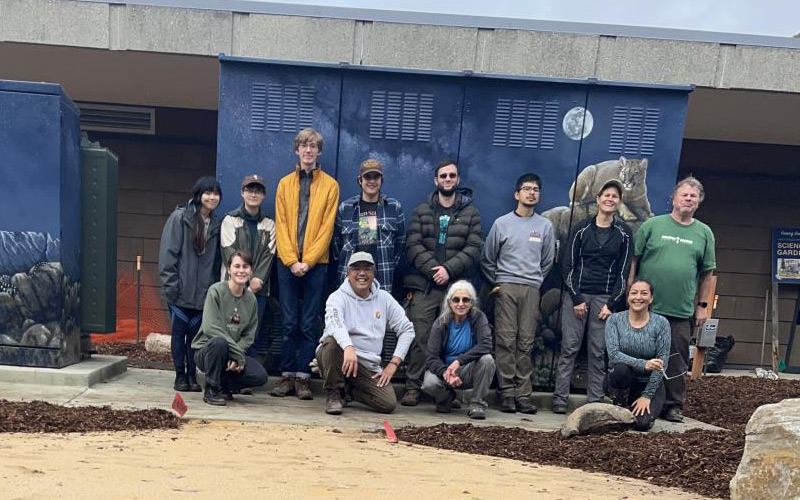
[371,223]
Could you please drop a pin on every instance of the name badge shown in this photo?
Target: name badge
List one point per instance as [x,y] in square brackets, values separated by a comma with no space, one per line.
[535,237]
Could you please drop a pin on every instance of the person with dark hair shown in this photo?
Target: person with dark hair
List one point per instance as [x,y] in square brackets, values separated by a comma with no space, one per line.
[305,212]
[228,329]
[188,263]
[460,352]
[443,244]
[248,228]
[596,265]
[372,223]
[638,351]
[676,253]
[518,254]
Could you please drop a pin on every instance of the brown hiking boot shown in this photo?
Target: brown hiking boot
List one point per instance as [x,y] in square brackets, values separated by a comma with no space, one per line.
[284,388]
[303,389]
[334,405]
[410,398]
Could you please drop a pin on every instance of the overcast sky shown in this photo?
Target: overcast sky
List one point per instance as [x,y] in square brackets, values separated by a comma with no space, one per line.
[765,17]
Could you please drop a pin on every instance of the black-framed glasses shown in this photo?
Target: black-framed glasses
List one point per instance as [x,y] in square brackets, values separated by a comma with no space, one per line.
[530,189]
[465,300]
[446,175]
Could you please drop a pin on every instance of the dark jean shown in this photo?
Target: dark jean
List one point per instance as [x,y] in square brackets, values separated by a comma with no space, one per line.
[185,324]
[622,377]
[213,358]
[260,347]
[300,306]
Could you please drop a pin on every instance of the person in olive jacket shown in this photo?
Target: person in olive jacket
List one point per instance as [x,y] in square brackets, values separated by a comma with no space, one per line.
[443,243]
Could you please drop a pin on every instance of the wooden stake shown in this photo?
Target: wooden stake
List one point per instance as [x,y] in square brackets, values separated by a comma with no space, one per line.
[775,327]
[700,352]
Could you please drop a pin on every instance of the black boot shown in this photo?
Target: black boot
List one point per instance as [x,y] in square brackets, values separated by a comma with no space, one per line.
[213,396]
[619,397]
[181,382]
[193,385]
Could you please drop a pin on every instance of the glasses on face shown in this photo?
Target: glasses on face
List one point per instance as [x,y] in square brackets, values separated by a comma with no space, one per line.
[372,177]
[459,300]
[450,175]
[249,190]
[669,364]
[309,145]
[530,189]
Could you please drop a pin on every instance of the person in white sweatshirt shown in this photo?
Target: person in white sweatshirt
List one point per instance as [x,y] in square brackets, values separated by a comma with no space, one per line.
[349,352]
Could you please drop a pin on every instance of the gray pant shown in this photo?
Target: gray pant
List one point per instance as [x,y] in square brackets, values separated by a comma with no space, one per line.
[476,375]
[681,330]
[516,319]
[572,329]
[422,312]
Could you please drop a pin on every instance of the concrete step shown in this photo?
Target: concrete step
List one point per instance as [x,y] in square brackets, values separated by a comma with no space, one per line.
[84,374]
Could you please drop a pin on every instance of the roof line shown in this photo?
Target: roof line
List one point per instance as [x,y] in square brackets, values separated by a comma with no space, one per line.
[464,21]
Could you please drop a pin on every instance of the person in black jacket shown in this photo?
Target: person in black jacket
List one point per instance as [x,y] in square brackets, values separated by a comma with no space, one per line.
[459,352]
[444,241]
[596,267]
[188,263]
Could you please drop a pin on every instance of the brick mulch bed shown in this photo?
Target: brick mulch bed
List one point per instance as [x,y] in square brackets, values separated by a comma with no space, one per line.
[138,357]
[38,416]
[699,461]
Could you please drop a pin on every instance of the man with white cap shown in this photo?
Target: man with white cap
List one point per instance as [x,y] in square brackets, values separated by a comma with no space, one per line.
[349,353]
[596,266]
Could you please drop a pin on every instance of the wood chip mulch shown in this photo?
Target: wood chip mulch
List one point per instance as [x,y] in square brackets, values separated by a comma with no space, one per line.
[38,416]
[138,357]
[699,461]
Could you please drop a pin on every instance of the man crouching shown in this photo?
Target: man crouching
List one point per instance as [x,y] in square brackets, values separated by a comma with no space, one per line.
[349,354]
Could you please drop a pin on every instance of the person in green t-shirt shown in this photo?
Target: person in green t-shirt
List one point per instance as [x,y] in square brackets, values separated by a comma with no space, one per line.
[675,252]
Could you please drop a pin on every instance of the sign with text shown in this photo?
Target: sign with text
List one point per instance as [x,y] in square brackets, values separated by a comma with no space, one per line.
[786,255]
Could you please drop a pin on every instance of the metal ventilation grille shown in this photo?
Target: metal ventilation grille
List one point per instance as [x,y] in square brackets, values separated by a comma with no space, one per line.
[406,116]
[281,108]
[521,123]
[118,119]
[634,130]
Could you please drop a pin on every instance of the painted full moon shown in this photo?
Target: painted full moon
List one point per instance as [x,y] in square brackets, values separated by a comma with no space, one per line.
[574,122]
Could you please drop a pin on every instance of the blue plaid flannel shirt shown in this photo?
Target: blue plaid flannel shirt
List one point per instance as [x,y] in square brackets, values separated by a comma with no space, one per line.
[391,238]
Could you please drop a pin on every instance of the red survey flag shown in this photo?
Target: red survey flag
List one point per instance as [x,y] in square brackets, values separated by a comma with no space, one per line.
[390,435]
[179,405]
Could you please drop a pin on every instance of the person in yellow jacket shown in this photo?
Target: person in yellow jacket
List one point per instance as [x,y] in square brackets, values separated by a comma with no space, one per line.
[305,212]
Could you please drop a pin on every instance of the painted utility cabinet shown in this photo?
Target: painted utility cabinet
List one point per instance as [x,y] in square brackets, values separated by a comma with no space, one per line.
[575,134]
[40,225]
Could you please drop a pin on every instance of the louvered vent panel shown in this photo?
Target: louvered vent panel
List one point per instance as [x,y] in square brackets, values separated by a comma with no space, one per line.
[281,108]
[406,116]
[119,119]
[258,106]
[521,123]
[274,100]
[634,130]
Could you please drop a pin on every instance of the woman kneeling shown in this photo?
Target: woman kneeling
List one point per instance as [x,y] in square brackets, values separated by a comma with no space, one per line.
[638,350]
[229,324]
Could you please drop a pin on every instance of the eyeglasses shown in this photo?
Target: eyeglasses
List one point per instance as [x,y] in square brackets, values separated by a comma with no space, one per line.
[311,146]
[530,189]
[249,190]
[451,175]
[669,363]
[372,176]
[465,300]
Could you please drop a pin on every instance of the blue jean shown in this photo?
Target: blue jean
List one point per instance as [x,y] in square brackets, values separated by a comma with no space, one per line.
[185,324]
[260,347]
[300,306]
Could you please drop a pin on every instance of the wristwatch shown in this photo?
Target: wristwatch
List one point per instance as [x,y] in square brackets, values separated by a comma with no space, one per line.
[395,363]
[703,304]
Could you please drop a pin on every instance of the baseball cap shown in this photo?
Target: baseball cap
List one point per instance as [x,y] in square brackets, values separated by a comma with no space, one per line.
[253,179]
[370,165]
[612,182]
[360,257]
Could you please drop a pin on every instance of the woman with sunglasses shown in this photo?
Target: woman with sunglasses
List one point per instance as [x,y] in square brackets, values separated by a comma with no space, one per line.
[230,320]
[638,342]
[459,352]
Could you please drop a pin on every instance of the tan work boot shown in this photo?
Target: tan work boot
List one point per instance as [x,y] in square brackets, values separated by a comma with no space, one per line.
[333,405]
[285,387]
[303,389]
[410,398]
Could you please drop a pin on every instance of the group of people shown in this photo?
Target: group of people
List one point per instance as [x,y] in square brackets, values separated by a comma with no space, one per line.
[215,277]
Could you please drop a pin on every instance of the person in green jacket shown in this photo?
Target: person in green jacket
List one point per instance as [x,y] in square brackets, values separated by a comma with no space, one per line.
[247,228]
[227,331]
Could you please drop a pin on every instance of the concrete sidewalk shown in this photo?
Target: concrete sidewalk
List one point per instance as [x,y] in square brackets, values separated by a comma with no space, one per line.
[144,389]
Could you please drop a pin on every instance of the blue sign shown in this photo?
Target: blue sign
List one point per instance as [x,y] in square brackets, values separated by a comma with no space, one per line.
[786,255]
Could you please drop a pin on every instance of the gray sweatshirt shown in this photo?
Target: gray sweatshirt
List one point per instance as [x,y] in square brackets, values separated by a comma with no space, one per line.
[361,323]
[519,250]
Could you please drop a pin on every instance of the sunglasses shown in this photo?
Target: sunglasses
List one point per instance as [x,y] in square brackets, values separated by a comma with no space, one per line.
[465,300]
[446,176]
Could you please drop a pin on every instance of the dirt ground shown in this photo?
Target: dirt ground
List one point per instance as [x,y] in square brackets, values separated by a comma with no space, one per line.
[236,460]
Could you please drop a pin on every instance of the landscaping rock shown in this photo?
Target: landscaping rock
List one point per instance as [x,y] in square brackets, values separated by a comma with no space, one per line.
[158,342]
[770,466]
[36,336]
[595,418]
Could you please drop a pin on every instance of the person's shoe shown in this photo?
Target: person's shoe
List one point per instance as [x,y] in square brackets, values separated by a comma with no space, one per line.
[559,408]
[446,404]
[619,397]
[226,393]
[674,414]
[303,389]
[456,404]
[508,405]
[193,385]
[410,398]
[213,397]
[476,412]
[334,404]
[181,383]
[524,405]
[284,388]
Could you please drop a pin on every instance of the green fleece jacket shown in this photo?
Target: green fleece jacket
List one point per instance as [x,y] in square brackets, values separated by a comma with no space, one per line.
[218,311]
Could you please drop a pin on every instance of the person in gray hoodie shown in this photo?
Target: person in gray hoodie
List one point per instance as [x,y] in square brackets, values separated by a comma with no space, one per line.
[349,352]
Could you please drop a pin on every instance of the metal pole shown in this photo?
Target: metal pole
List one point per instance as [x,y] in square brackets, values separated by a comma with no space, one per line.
[775,328]
[764,332]
[138,296]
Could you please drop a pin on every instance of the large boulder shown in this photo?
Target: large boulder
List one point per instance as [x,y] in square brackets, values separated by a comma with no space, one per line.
[770,466]
[594,418]
[157,342]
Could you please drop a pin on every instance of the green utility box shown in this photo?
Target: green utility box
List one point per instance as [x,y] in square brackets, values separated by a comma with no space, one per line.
[99,174]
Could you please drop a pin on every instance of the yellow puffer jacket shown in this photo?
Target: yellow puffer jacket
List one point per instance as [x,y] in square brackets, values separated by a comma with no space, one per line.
[322,203]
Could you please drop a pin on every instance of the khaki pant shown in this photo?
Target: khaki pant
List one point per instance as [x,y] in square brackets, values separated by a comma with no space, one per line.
[330,358]
[422,312]
[516,319]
